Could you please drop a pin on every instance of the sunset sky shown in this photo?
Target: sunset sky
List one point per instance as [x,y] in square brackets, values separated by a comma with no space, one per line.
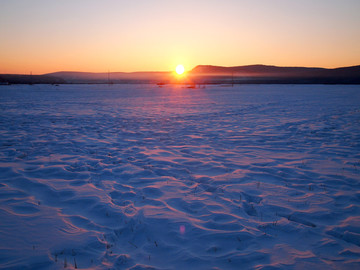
[142,35]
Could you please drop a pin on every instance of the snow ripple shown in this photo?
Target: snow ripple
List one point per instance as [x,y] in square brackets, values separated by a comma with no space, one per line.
[140,177]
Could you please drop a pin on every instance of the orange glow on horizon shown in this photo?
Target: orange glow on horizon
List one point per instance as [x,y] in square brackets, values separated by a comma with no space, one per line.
[128,36]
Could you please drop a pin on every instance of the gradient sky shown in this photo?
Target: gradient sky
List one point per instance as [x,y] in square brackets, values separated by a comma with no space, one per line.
[143,35]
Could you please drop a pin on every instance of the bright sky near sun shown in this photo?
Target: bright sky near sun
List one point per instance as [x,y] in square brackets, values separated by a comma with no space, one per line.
[142,35]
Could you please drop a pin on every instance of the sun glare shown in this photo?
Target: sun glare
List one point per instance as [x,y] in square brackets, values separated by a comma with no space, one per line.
[180,69]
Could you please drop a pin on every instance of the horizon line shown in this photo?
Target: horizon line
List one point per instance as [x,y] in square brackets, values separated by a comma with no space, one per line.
[171,71]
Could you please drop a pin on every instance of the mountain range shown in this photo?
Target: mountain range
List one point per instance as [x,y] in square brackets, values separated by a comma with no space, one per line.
[202,74]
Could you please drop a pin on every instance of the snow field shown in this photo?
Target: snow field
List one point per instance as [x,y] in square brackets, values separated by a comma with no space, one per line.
[142,177]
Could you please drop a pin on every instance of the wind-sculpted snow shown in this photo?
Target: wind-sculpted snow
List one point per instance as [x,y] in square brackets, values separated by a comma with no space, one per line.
[141,177]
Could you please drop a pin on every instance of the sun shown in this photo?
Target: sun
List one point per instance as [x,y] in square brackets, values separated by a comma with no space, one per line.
[180,69]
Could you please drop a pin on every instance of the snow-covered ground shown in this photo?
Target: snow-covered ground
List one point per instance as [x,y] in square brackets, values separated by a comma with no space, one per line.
[142,177]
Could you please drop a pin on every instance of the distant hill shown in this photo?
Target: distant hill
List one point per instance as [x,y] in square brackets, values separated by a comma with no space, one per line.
[112,77]
[203,74]
[217,74]
[274,74]
[29,79]
[254,70]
